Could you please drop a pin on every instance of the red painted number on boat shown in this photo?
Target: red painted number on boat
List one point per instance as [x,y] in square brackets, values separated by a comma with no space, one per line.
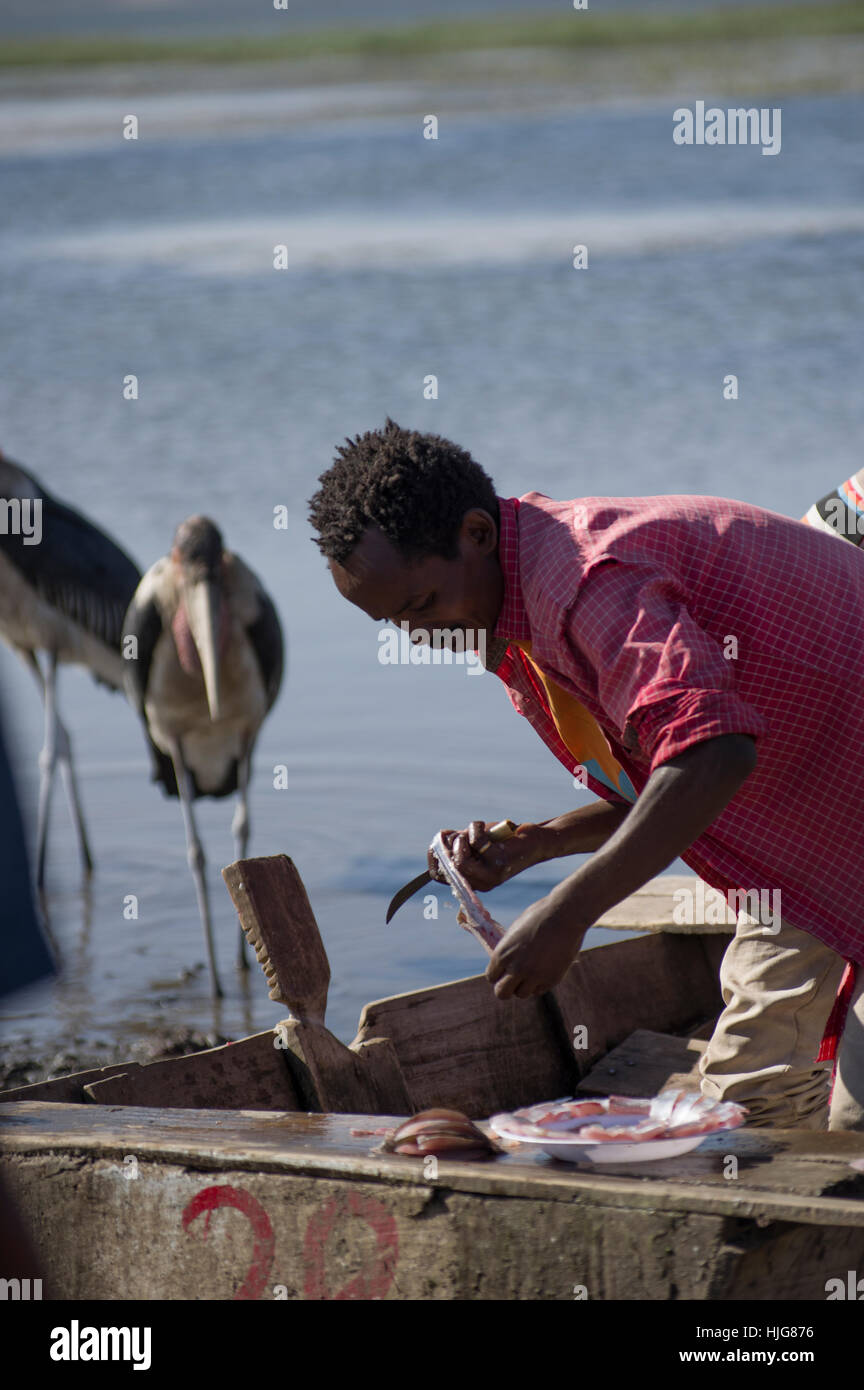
[372,1282]
[208,1200]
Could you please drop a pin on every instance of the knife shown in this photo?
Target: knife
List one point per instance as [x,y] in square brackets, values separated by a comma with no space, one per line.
[502,830]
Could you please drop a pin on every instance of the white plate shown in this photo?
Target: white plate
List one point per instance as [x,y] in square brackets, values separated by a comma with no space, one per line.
[597,1151]
[560,1136]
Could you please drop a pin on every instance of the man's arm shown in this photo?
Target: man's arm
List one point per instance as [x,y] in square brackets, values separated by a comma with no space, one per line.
[485,863]
[680,800]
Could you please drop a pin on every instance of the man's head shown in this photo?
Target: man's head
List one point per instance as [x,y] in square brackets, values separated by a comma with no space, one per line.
[409,525]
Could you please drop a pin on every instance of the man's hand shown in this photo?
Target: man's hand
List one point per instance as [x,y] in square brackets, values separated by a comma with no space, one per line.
[537,951]
[574,832]
[680,800]
[485,863]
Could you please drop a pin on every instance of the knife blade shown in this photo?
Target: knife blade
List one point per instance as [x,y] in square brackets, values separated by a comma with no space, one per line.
[502,830]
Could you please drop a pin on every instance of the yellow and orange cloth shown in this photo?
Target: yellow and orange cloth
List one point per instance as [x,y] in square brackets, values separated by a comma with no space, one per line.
[579,731]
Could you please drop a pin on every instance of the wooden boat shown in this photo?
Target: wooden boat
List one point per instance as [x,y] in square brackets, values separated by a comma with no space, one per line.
[238,1172]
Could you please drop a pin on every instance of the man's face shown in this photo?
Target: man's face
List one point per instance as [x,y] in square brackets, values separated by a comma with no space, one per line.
[464,594]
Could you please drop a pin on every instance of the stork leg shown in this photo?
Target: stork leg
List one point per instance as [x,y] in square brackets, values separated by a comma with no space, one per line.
[240,831]
[57,749]
[70,784]
[197,863]
[47,764]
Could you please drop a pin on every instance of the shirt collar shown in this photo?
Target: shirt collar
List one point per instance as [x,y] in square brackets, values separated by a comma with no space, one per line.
[512,624]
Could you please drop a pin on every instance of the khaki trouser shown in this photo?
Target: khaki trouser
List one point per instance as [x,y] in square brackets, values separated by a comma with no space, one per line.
[778,991]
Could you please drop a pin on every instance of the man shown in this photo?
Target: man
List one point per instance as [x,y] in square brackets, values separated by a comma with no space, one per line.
[671,651]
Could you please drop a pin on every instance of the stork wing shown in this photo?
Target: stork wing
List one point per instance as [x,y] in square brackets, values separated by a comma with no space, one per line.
[74,567]
[265,634]
[143,621]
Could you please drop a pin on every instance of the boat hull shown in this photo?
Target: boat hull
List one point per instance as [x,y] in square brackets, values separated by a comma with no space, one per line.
[252,1205]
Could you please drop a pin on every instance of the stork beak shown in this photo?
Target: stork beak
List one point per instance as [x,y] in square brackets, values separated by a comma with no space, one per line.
[204,607]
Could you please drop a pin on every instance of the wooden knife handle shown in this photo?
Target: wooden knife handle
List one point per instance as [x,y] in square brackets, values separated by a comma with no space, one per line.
[502,830]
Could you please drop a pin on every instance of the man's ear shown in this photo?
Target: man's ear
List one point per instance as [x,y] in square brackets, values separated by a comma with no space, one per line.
[478,529]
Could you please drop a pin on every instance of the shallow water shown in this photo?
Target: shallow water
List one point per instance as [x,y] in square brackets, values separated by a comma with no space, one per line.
[407,258]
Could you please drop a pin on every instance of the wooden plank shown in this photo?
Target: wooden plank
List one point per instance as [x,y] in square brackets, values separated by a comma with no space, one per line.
[174,1232]
[66,1088]
[782,1174]
[644,1064]
[251,1074]
[331,1077]
[651,908]
[460,1046]
[714,949]
[275,912]
[296,1066]
[662,983]
[388,1092]
[178,1233]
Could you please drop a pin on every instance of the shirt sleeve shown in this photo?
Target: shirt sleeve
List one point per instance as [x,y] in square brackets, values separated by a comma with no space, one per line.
[654,668]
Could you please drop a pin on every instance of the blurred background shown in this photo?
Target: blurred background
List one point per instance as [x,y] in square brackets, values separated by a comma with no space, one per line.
[407,257]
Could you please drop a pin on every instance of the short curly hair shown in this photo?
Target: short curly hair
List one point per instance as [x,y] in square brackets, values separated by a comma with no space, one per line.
[414,487]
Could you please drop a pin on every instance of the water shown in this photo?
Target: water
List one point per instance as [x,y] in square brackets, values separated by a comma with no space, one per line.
[406,258]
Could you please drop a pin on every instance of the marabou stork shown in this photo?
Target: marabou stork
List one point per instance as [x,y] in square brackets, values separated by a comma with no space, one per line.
[208,670]
[64,589]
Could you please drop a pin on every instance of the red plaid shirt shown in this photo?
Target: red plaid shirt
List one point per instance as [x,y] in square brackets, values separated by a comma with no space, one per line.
[629,602]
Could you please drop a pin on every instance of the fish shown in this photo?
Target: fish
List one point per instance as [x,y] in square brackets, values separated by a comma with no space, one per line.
[673,1114]
[472,915]
[439,1131]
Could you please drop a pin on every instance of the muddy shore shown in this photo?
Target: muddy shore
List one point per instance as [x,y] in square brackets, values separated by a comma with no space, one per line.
[23,1063]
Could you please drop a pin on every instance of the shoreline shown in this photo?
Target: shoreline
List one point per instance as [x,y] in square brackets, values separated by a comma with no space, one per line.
[549,30]
[73,104]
